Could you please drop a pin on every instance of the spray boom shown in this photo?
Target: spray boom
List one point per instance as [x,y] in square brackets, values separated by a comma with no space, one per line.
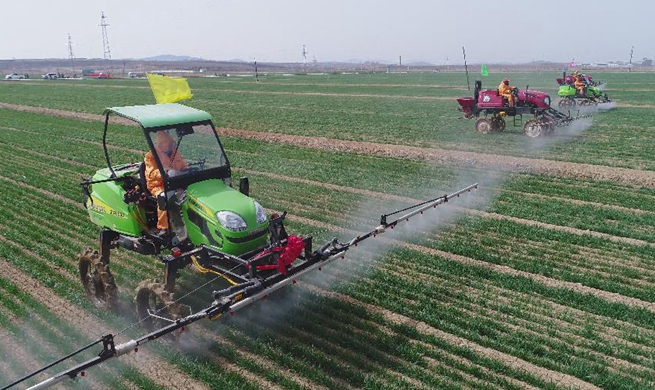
[239,295]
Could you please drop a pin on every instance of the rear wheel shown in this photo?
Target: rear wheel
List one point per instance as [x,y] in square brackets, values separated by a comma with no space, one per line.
[97,280]
[533,128]
[154,305]
[483,126]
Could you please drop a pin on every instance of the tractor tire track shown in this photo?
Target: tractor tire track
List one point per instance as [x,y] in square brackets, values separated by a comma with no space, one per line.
[157,370]
[625,176]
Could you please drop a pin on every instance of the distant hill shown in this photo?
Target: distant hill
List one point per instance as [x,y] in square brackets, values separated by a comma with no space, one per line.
[171,57]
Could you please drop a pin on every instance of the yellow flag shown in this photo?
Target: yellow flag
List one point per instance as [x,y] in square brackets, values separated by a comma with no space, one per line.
[169,90]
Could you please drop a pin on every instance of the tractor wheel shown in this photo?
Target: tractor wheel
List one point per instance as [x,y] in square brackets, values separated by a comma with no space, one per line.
[154,304]
[97,280]
[498,124]
[483,126]
[547,125]
[533,128]
[566,103]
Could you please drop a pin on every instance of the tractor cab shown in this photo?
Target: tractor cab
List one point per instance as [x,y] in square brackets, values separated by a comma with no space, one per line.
[190,175]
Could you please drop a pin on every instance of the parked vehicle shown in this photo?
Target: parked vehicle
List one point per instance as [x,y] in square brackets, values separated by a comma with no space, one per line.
[16,76]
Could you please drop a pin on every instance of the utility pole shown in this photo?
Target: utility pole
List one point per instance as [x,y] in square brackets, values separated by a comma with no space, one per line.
[256,74]
[70,52]
[400,61]
[631,53]
[105,38]
[466,68]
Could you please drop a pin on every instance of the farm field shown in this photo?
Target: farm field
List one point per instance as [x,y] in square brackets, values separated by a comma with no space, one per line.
[544,278]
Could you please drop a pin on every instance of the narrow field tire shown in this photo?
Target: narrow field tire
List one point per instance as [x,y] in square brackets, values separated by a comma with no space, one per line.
[97,280]
[152,298]
[566,103]
[533,128]
[483,126]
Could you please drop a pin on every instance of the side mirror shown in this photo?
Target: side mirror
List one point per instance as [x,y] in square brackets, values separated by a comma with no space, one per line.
[244,186]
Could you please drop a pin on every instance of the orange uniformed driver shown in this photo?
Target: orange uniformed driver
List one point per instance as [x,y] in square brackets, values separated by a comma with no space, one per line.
[170,158]
[505,90]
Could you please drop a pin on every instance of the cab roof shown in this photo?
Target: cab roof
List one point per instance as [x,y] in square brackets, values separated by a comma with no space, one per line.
[158,115]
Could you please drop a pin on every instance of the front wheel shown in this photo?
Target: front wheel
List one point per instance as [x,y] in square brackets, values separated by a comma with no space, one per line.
[566,103]
[533,128]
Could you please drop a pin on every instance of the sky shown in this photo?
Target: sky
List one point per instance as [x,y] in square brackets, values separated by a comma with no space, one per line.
[433,31]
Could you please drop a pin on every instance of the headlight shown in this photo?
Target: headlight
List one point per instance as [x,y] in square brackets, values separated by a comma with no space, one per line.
[547,100]
[261,213]
[231,221]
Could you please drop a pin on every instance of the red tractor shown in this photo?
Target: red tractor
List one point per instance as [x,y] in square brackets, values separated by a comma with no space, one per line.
[494,108]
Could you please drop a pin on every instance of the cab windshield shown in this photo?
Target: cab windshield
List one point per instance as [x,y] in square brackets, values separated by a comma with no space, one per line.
[188,150]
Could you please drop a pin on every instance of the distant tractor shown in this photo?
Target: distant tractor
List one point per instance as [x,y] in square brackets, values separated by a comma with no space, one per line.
[571,97]
[491,109]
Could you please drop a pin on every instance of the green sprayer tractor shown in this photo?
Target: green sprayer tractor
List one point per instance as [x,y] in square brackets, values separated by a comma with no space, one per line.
[570,96]
[212,227]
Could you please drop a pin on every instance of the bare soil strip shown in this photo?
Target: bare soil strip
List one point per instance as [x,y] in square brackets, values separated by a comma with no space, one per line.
[160,372]
[577,202]
[625,176]
[635,105]
[567,229]
[357,95]
[545,374]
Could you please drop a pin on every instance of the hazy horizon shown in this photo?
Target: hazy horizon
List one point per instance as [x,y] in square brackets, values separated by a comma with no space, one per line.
[337,31]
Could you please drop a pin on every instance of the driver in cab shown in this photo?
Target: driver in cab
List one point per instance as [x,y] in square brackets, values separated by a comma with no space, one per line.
[505,90]
[171,159]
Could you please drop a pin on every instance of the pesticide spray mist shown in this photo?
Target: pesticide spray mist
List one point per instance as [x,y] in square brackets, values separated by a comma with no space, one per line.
[372,254]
